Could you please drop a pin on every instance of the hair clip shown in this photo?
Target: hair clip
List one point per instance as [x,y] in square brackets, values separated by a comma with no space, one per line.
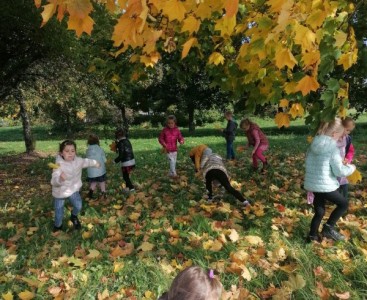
[211,274]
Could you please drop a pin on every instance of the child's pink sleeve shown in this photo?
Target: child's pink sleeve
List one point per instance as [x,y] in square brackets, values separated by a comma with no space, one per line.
[256,136]
[161,139]
[349,156]
[181,140]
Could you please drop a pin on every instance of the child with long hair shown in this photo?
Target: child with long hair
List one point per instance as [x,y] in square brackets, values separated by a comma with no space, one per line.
[96,176]
[66,182]
[346,151]
[125,157]
[323,165]
[194,283]
[257,139]
[213,169]
[168,138]
[229,134]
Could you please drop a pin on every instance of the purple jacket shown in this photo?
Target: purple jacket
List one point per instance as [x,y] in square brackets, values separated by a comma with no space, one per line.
[256,137]
[169,137]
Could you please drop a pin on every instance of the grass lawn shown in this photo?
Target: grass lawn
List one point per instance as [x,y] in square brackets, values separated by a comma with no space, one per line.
[132,246]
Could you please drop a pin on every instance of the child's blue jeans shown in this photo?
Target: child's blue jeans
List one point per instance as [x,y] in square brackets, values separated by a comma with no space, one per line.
[75,200]
[230,150]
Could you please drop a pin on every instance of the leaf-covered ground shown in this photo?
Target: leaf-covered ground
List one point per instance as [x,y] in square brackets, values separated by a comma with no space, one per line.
[131,246]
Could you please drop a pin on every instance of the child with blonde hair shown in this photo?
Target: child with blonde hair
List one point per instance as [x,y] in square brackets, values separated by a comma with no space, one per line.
[323,165]
[194,283]
[168,138]
[96,176]
[66,182]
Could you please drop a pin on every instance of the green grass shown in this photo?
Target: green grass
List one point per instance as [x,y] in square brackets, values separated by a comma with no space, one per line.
[50,261]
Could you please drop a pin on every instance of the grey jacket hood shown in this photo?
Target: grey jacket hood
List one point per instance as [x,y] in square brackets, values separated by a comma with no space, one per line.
[322,144]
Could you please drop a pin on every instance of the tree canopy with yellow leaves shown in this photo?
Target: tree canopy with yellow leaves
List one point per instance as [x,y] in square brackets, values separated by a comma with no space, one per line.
[276,51]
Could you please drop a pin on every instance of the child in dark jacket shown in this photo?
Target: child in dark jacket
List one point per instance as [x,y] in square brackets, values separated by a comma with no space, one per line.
[229,134]
[213,169]
[126,157]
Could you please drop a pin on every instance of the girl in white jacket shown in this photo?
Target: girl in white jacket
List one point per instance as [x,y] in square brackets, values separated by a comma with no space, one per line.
[66,182]
[323,165]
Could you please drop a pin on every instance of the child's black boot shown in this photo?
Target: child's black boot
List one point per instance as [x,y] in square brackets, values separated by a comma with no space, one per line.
[76,223]
[57,228]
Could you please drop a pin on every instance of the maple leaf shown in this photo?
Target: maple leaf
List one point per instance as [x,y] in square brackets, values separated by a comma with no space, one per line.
[81,25]
[304,37]
[187,46]
[93,254]
[234,236]
[174,9]
[231,7]
[254,240]
[296,110]
[48,11]
[7,296]
[117,266]
[284,103]
[307,84]
[316,18]
[79,8]
[146,246]
[53,166]
[295,282]
[276,5]
[191,24]
[216,58]
[26,295]
[347,60]
[355,177]
[282,119]
[284,58]
[225,25]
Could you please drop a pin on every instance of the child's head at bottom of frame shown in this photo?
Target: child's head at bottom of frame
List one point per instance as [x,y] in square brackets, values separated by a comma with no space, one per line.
[194,283]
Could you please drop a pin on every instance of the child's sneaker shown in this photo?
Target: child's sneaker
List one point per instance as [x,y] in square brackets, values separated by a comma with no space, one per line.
[76,222]
[314,238]
[56,229]
[330,233]
[246,203]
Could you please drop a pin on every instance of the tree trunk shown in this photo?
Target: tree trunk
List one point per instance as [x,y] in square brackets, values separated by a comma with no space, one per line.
[27,132]
[191,119]
[69,131]
[125,122]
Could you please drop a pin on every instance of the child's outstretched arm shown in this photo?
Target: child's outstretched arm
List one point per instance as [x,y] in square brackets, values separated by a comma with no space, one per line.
[87,163]
[338,168]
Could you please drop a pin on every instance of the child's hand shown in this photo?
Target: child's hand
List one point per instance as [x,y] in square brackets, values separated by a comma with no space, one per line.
[345,161]
[198,174]
[253,152]
[62,176]
[98,165]
[182,142]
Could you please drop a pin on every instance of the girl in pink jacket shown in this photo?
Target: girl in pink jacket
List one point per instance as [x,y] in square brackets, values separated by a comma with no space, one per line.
[258,140]
[168,138]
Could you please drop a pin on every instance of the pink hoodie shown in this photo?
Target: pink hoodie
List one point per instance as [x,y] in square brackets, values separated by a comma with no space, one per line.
[169,137]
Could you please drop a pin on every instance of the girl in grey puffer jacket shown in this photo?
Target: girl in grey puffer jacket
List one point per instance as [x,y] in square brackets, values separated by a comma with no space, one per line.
[323,165]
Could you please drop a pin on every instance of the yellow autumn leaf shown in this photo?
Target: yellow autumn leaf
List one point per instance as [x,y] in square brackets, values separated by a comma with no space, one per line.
[276,5]
[342,113]
[254,240]
[340,38]
[284,58]
[284,103]
[146,246]
[80,25]
[296,110]
[316,18]
[134,216]
[53,166]
[282,119]
[216,58]
[174,9]
[307,84]
[309,139]
[225,25]
[93,253]
[118,266]
[311,58]
[290,87]
[304,37]
[191,24]
[347,60]
[187,46]
[234,236]
[355,177]
[295,282]
[87,234]
[48,11]
[79,8]
[7,296]
[26,295]
[231,7]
